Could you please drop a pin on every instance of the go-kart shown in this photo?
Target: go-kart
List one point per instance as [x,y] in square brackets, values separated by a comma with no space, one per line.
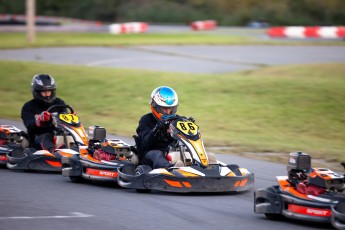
[69,133]
[307,194]
[200,172]
[75,152]
[11,139]
[99,160]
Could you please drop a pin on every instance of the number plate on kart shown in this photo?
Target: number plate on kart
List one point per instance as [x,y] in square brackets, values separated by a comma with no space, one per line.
[187,127]
[69,118]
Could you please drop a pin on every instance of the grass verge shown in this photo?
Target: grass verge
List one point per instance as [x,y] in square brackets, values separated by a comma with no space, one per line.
[18,40]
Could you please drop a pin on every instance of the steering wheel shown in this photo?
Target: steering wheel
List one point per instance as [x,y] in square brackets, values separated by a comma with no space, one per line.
[59,107]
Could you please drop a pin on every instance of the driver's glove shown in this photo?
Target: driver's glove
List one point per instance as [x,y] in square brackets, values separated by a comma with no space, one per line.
[191,119]
[41,118]
[161,127]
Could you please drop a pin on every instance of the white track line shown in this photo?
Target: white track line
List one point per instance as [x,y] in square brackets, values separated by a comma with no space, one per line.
[74,215]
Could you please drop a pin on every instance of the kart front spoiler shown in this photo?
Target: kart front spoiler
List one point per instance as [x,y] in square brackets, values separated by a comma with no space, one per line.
[170,183]
[31,162]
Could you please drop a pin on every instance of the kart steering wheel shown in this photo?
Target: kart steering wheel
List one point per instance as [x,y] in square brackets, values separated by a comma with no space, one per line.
[57,107]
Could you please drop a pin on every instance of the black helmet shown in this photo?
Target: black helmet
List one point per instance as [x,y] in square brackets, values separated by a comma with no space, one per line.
[43,82]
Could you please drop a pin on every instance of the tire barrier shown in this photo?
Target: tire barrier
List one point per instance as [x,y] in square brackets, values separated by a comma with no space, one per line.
[204,25]
[307,32]
[127,28]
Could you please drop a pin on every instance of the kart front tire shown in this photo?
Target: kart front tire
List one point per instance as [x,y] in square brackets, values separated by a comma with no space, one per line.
[142,169]
[76,179]
[273,216]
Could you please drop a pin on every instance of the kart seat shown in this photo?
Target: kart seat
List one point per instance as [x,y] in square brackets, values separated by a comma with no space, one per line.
[138,151]
[60,141]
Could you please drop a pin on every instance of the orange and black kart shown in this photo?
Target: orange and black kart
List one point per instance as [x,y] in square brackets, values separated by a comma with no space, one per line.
[100,160]
[68,134]
[11,139]
[198,171]
[307,194]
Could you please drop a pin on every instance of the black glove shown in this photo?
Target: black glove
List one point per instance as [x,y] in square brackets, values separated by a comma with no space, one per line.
[191,119]
[161,127]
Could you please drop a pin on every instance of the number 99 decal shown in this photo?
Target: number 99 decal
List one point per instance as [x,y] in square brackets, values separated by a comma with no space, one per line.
[187,127]
[69,118]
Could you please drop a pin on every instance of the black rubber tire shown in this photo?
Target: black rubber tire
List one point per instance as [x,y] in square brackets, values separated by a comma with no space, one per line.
[274,216]
[76,179]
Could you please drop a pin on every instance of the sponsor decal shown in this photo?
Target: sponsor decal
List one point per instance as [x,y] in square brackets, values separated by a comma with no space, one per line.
[101,173]
[310,211]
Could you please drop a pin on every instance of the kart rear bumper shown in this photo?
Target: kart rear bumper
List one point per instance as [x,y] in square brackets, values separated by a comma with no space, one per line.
[75,166]
[4,150]
[29,161]
[338,215]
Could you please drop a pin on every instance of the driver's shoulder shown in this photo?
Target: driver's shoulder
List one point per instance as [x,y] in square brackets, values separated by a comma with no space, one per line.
[59,101]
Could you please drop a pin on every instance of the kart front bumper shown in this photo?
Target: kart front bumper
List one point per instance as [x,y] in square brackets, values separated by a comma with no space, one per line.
[186,184]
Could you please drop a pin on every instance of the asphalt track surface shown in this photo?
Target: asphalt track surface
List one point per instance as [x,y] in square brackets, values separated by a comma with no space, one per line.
[188,59]
[34,200]
[41,200]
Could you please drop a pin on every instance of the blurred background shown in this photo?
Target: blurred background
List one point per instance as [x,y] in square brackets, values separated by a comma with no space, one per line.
[225,12]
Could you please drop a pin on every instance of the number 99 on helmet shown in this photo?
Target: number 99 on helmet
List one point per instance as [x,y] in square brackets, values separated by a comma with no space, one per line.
[161,98]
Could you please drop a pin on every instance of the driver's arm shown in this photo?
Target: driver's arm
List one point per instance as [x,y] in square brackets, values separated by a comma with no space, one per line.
[28,117]
[145,132]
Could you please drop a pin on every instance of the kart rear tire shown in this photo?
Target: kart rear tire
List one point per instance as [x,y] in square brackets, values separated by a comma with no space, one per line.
[273,216]
[142,169]
[76,179]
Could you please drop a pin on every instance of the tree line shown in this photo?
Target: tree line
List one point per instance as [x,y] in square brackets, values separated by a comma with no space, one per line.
[226,12]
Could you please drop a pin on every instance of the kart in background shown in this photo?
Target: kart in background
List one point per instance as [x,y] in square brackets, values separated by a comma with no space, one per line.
[308,194]
[100,160]
[18,153]
[72,143]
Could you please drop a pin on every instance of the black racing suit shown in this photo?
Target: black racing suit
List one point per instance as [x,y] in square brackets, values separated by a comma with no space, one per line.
[153,145]
[39,137]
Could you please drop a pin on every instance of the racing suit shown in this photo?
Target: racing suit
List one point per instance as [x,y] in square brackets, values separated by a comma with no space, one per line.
[39,137]
[154,145]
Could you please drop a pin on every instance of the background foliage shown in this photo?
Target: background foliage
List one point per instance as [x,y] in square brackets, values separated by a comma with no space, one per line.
[226,12]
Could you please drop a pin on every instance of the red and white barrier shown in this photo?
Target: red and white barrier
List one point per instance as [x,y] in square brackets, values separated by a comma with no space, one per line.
[307,32]
[127,28]
[204,25]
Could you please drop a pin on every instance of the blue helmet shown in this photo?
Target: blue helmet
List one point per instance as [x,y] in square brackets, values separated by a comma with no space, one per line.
[163,97]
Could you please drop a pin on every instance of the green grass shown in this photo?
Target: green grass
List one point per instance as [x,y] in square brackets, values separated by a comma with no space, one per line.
[227,37]
[273,109]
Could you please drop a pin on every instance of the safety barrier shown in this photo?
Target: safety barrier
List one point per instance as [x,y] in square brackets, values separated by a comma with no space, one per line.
[129,27]
[307,32]
[204,25]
